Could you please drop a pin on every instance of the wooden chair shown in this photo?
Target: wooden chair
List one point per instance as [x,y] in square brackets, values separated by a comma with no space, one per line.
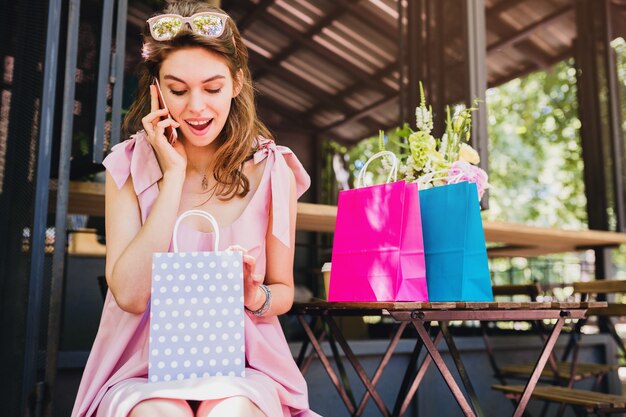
[584,401]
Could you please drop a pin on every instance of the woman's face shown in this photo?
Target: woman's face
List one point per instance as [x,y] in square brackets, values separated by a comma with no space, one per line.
[198,89]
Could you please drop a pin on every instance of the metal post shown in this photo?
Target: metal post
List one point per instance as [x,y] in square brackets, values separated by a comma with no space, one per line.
[36,278]
[415,54]
[401,64]
[600,114]
[117,74]
[104,71]
[58,259]
[477,79]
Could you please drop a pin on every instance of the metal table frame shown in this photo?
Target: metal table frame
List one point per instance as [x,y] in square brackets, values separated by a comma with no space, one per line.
[421,315]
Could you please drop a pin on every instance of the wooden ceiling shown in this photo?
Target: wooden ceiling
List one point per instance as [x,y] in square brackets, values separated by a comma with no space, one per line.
[331,67]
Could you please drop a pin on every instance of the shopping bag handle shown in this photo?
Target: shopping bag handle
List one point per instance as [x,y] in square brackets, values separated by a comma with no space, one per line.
[438,175]
[393,172]
[201,213]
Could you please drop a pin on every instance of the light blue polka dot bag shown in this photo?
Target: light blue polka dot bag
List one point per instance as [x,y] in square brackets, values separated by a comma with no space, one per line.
[196,312]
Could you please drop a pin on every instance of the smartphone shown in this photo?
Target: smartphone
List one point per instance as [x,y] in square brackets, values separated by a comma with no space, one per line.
[170,132]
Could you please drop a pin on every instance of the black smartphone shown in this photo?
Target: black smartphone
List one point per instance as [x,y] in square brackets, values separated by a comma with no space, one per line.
[170,132]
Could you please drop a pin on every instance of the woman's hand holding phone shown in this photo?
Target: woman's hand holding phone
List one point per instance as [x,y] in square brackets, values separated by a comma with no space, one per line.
[170,132]
[171,155]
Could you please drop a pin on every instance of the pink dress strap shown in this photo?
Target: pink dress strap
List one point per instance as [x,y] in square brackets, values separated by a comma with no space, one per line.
[281,160]
[135,158]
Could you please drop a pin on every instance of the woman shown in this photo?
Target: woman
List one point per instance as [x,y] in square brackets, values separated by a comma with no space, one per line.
[224,163]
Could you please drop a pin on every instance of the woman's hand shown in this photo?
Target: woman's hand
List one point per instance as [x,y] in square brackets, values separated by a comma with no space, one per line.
[253,298]
[172,158]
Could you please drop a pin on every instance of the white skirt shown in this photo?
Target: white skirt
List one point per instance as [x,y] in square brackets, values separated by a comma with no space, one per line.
[120,399]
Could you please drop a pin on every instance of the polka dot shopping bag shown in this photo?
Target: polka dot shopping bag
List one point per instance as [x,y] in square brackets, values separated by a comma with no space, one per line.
[196,312]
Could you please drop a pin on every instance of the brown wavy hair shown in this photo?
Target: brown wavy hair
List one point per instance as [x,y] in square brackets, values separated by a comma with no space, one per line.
[237,138]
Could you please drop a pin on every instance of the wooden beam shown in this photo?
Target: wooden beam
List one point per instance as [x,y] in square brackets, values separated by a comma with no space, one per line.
[531,68]
[382,73]
[529,30]
[528,48]
[294,45]
[372,20]
[360,113]
[300,83]
[325,53]
[283,111]
[502,7]
[254,12]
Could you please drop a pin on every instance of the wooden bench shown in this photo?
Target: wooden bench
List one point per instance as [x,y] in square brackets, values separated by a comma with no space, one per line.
[587,400]
[591,401]
[569,370]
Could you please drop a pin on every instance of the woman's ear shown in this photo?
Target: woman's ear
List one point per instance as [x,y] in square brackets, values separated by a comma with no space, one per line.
[238,83]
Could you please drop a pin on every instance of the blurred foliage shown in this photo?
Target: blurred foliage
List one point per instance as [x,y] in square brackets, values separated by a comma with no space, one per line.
[535,160]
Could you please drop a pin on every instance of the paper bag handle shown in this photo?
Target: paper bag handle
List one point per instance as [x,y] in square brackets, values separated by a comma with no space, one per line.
[201,213]
[393,172]
[437,175]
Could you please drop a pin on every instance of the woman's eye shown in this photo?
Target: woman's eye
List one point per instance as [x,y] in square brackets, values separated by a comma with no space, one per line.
[178,93]
[215,91]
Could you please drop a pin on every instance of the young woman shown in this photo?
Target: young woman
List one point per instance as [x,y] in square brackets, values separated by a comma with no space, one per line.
[225,163]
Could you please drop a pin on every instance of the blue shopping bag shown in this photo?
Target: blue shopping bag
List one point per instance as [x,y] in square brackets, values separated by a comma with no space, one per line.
[454,244]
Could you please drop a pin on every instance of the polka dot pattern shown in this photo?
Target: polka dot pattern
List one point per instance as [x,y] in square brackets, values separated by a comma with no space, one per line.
[196,316]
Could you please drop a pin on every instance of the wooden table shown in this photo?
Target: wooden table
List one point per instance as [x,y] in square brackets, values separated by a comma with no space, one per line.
[513,239]
[421,315]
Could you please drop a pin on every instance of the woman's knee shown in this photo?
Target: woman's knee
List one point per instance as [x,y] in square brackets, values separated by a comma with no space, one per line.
[156,407]
[229,407]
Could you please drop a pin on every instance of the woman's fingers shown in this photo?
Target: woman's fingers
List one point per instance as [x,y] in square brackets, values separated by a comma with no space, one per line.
[257,279]
[151,120]
[237,248]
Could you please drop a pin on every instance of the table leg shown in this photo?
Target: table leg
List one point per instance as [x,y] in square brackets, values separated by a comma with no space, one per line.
[381,366]
[417,380]
[358,368]
[305,362]
[541,363]
[327,366]
[408,377]
[303,349]
[342,371]
[454,353]
[443,369]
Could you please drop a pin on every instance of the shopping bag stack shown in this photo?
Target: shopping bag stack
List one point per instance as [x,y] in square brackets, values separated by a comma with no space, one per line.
[196,312]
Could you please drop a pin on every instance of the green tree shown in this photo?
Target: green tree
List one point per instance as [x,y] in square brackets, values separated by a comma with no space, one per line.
[535,161]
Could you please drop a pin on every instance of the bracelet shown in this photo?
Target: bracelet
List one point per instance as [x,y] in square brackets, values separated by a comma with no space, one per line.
[266,305]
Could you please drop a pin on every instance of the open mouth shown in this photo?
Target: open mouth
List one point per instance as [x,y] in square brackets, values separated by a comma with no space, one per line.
[199,127]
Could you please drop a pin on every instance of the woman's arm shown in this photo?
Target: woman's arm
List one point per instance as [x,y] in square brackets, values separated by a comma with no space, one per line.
[279,262]
[130,245]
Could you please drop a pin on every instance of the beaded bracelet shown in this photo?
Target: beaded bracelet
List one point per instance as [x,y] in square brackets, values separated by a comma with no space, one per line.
[266,305]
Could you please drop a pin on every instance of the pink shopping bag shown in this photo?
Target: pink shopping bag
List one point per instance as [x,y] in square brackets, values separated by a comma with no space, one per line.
[378,252]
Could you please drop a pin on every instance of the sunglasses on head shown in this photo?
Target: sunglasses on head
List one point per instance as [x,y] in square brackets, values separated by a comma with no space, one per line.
[165,26]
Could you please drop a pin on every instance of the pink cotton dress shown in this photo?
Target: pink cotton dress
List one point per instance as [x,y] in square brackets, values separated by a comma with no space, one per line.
[115,377]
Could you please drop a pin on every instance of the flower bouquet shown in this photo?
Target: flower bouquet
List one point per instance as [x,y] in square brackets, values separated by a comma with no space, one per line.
[449,181]
[431,161]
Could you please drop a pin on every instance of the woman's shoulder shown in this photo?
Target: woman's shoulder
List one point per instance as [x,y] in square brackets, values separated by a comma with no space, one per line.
[133,158]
